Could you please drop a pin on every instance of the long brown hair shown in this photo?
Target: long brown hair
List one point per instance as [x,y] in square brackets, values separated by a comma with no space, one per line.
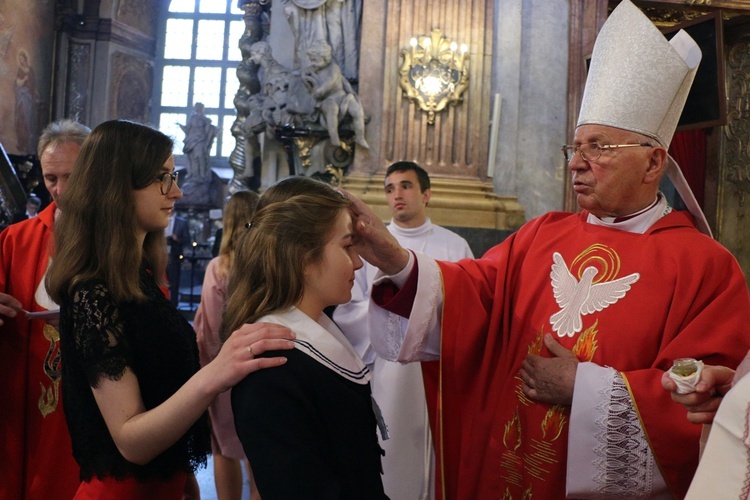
[95,235]
[237,212]
[285,237]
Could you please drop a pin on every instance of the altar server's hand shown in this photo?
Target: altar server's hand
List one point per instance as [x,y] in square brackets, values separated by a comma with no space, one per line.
[372,241]
[9,306]
[550,380]
[702,404]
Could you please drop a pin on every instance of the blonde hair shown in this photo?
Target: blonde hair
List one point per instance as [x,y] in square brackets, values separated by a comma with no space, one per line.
[95,235]
[238,212]
[267,275]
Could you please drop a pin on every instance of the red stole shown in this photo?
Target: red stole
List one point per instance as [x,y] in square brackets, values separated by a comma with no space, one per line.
[34,439]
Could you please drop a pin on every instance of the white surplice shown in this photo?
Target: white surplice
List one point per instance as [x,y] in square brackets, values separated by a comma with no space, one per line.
[408,464]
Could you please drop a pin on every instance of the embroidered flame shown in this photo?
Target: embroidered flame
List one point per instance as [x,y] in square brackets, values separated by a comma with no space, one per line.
[527,494]
[586,345]
[536,346]
[553,423]
[512,434]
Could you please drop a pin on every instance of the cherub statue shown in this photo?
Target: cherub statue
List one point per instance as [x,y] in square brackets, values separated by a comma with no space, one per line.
[333,94]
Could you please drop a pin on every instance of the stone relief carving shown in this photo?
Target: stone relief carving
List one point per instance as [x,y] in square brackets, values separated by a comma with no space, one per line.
[303,106]
[79,67]
[142,15]
[131,84]
[334,97]
[737,131]
[245,156]
[336,22]
[734,173]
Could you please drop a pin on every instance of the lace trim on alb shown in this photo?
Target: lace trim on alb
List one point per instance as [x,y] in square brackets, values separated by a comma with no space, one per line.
[745,493]
[624,460]
[393,335]
[420,317]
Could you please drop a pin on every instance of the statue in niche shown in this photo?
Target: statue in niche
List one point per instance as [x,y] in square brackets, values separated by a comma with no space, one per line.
[336,22]
[333,94]
[199,137]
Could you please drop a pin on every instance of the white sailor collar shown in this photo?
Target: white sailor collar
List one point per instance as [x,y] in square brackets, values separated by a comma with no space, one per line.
[323,342]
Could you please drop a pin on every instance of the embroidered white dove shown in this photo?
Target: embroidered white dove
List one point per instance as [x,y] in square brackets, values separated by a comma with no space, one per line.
[579,298]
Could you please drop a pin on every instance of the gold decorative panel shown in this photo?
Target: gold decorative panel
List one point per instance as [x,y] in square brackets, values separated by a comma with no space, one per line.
[734,188]
[457,144]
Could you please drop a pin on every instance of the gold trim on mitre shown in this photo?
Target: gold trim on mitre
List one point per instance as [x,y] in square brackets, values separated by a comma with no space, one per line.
[639,81]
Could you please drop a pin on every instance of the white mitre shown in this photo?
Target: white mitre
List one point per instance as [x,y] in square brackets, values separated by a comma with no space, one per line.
[639,81]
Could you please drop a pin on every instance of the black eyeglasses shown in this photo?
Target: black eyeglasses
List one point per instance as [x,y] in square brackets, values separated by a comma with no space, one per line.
[593,150]
[166,180]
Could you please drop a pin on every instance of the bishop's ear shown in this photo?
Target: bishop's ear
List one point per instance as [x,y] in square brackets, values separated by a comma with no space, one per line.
[656,164]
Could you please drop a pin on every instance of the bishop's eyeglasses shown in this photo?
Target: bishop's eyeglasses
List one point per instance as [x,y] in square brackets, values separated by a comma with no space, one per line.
[166,180]
[593,150]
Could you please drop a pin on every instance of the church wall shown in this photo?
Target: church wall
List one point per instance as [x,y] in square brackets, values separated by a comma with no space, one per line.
[529,71]
[26,27]
[107,63]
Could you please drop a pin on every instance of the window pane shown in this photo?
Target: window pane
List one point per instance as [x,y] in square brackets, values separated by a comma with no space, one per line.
[175,85]
[207,87]
[182,6]
[169,123]
[179,40]
[214,120]
[213,6]
[210,40]
[236,29]
[231,88]
[236,10]
[228,142]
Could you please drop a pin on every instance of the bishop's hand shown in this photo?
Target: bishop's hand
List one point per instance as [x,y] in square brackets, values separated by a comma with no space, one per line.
[372,240]
[550,380]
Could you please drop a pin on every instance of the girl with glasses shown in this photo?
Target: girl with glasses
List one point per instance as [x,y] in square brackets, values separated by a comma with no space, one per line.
[135,399]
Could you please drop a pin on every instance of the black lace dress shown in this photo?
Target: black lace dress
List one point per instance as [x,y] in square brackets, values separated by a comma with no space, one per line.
[99,338]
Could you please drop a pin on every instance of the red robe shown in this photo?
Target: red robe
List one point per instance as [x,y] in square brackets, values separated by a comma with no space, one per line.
[691,300]
[37,460]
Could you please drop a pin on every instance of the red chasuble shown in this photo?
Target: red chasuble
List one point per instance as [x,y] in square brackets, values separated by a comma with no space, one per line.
[690,299]
[34,441]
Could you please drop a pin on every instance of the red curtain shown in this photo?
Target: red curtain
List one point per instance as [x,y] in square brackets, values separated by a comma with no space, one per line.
[688,148]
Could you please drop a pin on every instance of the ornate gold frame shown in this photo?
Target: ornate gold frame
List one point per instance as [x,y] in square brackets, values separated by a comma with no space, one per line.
[434,72]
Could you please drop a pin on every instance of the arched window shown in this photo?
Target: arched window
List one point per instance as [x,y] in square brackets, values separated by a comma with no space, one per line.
[196,62]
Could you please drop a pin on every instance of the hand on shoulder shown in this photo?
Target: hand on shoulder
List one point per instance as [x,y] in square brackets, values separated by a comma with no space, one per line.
[239,354]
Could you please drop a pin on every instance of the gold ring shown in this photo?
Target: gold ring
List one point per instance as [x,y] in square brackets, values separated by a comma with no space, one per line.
[250,349]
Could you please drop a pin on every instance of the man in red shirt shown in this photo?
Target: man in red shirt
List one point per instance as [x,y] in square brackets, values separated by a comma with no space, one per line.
[34,440]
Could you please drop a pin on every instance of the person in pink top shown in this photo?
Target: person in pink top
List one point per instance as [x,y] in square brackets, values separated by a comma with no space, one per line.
[225,445]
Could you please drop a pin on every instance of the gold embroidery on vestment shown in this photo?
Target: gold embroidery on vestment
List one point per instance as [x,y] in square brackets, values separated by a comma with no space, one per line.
[601,257]
[50,395]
